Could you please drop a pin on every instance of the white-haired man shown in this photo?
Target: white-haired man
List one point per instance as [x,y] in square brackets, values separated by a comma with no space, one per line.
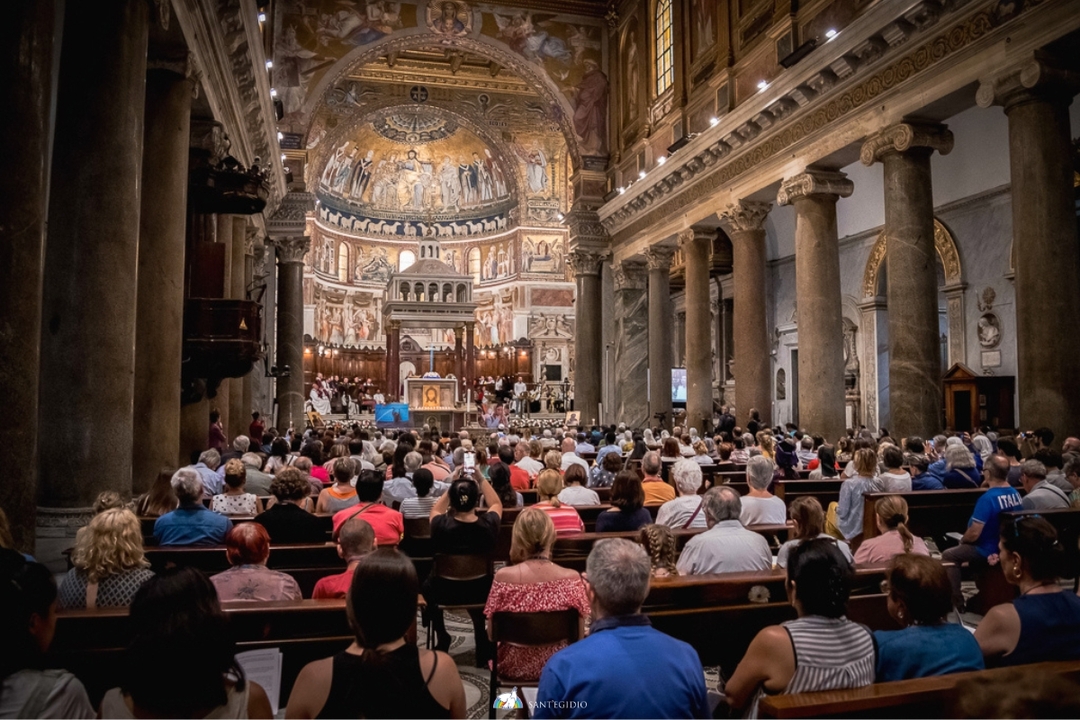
[191,523]
[726,546]
[687,510]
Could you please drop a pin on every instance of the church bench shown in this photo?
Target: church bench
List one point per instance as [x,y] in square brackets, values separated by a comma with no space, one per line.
[924,697]
[147,525]
[90,643]
[826,490]
[931,513]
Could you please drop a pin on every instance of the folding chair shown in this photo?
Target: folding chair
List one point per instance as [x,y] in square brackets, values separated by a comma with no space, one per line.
[529,629]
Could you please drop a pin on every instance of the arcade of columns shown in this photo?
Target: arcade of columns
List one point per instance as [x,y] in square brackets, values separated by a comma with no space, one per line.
[1035,96]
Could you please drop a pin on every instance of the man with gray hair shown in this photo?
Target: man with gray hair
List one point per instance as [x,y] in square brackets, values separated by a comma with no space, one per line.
[657,491]
[687,510]
[240,445]
[206,468]
[726,546]
[257,481]
[759,506]
[624,668]
[1041,493]
[191,523]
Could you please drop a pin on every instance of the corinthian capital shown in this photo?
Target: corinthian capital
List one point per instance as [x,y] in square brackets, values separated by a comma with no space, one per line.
[905,136]
[629,275]
[746,215]
[291,249]
[586,262]
[814,181]
[658,257]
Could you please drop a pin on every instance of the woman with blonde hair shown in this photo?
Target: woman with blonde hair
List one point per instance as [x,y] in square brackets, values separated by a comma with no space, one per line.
[808,520]
[659,543]
[766,444]
[549,484]
[109,563]
[895,539]
[701,454]
[845,519]
[533,583]
[234,500]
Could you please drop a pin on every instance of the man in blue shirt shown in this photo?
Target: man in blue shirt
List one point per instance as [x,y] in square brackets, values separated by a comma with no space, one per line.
[191,523]
[610,446]
[980,540]
[624,668]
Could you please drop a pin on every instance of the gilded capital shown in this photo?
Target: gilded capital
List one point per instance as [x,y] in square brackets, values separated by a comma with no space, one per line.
[814,182]
[658,257]
[906,136]
[746,215]
[291,249]
[586,262]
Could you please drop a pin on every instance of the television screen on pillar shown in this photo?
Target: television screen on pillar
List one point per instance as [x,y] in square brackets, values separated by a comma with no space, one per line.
[678,385]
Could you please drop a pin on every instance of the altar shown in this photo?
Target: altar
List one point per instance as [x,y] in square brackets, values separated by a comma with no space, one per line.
[434,401]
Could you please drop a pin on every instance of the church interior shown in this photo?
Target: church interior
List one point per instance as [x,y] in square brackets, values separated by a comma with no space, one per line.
[354,220]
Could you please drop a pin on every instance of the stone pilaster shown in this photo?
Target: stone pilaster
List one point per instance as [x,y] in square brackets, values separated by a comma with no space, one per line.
[1036,97]
[658,259]
[915,370]
[91,259]
[588,250]
[752,368]
[290,329]
[696,244]
[631,349]
[817,291]
[26,83]
[239,414]
[159,320]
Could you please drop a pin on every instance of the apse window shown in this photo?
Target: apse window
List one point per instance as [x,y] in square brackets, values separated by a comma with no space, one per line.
[665,48]
[406,260]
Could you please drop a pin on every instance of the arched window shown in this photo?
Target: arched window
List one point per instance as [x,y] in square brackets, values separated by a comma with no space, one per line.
[405,260]
[474,263]
[343,262]
[665,49]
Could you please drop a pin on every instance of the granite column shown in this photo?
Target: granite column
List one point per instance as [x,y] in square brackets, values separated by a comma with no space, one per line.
[915,396]
[393,360]
[588,345]
[631,349]
[290,329]
[91,261]
[235,286]
[28,39]
[1036,97]
[817,293]
[661,319]
[221,401]
[696,244]
[159,314]
[752,368]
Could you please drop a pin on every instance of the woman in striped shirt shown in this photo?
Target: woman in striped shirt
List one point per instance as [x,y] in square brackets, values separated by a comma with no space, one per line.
[822,649]
[549,484]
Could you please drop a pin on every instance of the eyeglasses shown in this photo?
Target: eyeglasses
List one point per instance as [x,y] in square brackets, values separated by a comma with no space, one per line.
[1019,519]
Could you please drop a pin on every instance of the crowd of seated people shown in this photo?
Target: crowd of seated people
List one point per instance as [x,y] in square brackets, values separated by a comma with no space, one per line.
[647,494]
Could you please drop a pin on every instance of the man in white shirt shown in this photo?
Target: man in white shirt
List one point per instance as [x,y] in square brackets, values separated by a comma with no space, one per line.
[527,456]
[687,510]
[726,546]
[759,506]
[570,457]
[379,398]
[520,388]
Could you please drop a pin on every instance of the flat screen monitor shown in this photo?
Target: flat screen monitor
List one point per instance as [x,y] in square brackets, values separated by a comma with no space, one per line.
[678,385]
[392,415]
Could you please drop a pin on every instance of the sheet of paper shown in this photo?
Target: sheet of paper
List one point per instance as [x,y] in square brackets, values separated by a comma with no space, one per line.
[264,667]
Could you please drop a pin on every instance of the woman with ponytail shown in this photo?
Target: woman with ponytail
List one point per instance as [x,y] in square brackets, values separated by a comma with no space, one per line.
[891,517]
[833,652]
[381,674]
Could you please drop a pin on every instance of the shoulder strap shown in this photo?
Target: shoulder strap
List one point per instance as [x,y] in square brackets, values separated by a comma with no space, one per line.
[338,531]
[692,517]
[434,666]
[44,684]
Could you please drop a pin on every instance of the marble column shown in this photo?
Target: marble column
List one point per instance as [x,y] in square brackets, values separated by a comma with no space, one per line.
[393,360]
[631,349]
[915,396]
[247,402]
[1036,98]
[752,368]
[658,258]
[696,243]
[221,401]
[86,398]
[27,38]
[470,354]
[239,415]
[159,314]
[588,311]
[459,359]
[290,329]
[817,294]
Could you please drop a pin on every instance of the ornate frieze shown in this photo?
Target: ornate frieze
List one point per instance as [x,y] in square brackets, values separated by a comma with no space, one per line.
[291,216]
[906,136]
[814,182]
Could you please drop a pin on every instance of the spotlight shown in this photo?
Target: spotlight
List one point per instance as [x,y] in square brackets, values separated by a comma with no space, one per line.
[830,34]
[714,121]
[269,64]
[273,92]
[641,175]
[622,190]
[762,85]
[661,160]
[280,136]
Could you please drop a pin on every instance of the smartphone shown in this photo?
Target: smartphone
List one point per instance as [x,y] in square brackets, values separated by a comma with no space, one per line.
[470,462]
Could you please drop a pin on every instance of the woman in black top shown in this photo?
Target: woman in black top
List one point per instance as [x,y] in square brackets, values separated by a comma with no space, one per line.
[287,521]
[380,675]
[457,528]
[628,511]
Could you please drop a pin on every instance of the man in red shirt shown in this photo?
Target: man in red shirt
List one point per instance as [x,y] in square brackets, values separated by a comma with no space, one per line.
[388,524]
[519,477]
[355,540]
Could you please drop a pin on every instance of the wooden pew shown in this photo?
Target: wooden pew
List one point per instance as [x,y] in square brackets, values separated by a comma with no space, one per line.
[931,513]
[925,697]
[147,525]
[306,563]
[90,643]
[826,491]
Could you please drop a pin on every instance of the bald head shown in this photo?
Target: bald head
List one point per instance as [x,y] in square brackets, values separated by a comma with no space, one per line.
[1071,444]
[568,445]
[356,539]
